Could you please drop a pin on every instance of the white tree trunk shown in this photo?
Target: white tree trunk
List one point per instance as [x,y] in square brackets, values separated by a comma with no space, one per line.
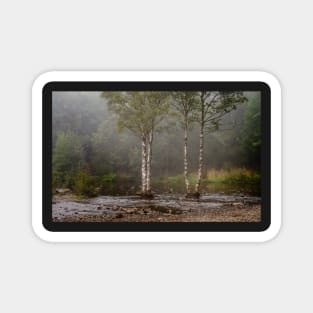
[143,165]
[197,188]
[187,185]
[149,159]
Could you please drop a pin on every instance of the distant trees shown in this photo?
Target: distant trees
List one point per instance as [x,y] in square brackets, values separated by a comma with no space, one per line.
[251,136]
[111,150]
[142,114]
[67,158]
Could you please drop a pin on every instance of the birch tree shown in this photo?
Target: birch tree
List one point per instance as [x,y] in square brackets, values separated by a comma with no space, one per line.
[142,114]
[185,104]
[213,105]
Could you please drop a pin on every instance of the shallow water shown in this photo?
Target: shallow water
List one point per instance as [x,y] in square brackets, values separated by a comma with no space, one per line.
[173,203]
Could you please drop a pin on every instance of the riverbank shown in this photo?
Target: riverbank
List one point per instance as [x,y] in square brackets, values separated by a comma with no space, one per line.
[163,208]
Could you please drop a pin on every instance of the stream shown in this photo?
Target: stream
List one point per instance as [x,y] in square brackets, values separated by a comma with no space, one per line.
[167,204]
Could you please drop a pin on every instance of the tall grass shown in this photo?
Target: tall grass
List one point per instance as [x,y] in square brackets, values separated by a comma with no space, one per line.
[85,185]
[240,179]
[233,176]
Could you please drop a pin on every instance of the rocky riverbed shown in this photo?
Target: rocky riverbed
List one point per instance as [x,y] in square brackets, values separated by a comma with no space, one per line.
[217,207]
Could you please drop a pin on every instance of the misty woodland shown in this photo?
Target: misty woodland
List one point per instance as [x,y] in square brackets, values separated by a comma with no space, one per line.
[156,156]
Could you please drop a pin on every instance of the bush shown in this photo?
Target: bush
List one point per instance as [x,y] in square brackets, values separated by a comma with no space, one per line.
[85,184]
[108,178]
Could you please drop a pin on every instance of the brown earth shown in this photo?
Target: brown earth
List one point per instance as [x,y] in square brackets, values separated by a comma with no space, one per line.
[227,213]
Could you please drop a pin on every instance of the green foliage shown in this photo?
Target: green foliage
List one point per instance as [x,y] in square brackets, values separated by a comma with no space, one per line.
[113,151]
[109,178]
[184,105]
[233,176]
[214,105]
[242,179]
[67,157]
[172,183]
[251,133]
[68,153]
[108,183]
[85,184]
[140,112]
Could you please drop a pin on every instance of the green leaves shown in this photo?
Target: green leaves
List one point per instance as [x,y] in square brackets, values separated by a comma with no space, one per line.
[251,133]
[68,152]
[140,112]
[213,105]
[184,104]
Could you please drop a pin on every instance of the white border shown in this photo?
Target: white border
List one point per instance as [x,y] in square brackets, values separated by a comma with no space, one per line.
[276,141]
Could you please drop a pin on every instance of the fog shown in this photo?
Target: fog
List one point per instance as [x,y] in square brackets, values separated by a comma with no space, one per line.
[106,149]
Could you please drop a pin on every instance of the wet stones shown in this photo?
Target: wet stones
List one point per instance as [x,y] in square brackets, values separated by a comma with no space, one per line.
[194,195]
[165,207]
[128,210]
[62,190]
[147,195]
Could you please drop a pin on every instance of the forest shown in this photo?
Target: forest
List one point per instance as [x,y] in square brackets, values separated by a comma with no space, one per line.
[150,148]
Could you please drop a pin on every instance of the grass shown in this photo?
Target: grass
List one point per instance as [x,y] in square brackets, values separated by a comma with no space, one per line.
[240,179]
[234,176]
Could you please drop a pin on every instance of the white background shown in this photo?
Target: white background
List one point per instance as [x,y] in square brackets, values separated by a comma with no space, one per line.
[37,36]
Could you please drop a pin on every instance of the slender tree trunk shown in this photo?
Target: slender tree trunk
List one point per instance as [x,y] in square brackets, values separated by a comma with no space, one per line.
[143,165]
[187,185]
[197,189]
[149,159]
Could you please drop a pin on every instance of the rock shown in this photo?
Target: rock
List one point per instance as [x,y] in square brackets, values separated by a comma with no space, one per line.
[147,195]
[119,215]
[62,190]
[129,211]
[195,195]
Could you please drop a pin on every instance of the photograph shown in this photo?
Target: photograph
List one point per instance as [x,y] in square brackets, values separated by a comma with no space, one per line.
[156,156]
